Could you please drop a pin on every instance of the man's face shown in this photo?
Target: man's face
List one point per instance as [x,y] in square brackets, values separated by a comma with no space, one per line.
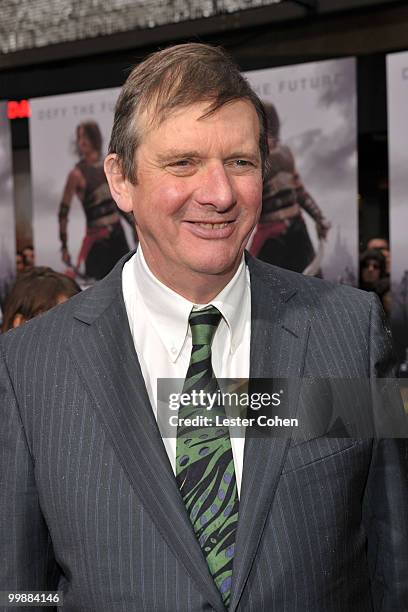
[198,191]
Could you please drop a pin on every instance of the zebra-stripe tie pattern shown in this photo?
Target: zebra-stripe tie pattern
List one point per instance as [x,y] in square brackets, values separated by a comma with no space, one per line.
[205,470]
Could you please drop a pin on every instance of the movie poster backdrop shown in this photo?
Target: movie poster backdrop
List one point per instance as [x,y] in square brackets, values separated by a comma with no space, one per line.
[312,200]
[7,223]
[397,95]
[310,204]
[58,159]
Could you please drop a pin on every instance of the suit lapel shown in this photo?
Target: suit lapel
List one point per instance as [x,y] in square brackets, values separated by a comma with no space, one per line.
[279,334]
[104,353]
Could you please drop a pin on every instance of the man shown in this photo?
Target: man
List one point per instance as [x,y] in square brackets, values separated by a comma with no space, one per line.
[94,501]
[105,241]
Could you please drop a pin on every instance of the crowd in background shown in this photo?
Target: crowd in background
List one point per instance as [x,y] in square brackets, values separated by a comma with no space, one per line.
[37,289]
[375,266]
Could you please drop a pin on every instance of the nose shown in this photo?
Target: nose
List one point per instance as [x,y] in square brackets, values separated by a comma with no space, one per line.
[216,187]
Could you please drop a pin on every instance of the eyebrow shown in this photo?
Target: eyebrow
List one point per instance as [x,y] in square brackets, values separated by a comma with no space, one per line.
[247,154]
[172,153]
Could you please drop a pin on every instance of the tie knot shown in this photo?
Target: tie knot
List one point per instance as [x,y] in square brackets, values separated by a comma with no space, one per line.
[203,324]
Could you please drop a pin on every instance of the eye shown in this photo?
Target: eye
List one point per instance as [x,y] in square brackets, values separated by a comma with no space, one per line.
[182,167]
[180,163]
[242,165]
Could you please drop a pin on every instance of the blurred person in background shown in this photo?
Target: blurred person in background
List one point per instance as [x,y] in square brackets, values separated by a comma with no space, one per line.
[382,245]
[383,286]
[372,269]
[105,241]
[28,257]
[374,277]
[35,292]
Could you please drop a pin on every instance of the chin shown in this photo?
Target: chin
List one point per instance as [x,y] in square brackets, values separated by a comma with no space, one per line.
[213,265]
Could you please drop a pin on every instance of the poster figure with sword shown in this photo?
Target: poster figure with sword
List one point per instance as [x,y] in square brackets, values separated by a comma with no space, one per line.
[105,240]
[281,237]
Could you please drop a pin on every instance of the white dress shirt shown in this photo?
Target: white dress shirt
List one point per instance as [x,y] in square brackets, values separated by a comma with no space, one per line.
[158,320]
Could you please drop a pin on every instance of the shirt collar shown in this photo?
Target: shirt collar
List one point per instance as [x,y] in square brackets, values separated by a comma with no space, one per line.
[169,312]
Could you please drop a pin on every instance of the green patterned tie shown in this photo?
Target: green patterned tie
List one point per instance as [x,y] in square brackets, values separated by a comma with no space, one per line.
[204,463]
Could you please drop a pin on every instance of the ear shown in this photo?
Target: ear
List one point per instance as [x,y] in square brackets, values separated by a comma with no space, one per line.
[119,186]
[18,320]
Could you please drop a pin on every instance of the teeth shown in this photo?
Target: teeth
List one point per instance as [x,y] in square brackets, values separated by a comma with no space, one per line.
[213,225]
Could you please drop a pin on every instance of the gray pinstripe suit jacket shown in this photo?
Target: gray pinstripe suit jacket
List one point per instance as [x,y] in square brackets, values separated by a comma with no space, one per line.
[89,503]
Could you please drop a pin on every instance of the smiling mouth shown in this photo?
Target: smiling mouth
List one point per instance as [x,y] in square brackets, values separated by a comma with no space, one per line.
[212,226]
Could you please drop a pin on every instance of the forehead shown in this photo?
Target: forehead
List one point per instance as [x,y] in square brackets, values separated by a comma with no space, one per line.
[236,121]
